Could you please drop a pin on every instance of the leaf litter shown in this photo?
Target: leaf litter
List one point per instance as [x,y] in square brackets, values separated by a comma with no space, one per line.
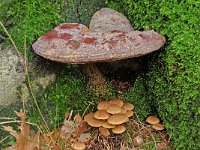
[138,136]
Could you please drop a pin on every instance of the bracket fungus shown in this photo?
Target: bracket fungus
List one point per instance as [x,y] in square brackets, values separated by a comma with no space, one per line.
[107,19]
[70,43]
[107,40]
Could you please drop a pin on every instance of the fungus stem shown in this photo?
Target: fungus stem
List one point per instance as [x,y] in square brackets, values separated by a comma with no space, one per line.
[97,81]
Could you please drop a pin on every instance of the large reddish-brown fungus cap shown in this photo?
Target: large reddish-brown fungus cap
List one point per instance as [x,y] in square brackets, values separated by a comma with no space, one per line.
[72,43]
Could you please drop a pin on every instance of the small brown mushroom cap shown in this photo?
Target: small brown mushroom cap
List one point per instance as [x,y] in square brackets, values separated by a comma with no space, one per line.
[107,125]
[117,119]
[113,109]
[101,114]
[117,102]
[103,105]
[127,120]
[123,111]
[129,113]
[152,120]
[128,106]
[77,145]
[89,118]
[118,129]
[158,127]
[104,132]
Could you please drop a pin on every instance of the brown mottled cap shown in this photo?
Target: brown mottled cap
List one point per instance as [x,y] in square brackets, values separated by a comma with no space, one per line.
[113,109]
[72,43]
[103,105]
[117,119]
[118,129]
[129,113]
[128,106]
[158,126]
[117,102]
[89,118]
[152,120]
[107,19]
[123,111]
[104,132]
[101,114]
[107,125]
[77,145]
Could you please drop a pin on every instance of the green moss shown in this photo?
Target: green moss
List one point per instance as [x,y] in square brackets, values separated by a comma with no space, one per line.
[32,18]
[81,10]
[36,18]
[137,95]
[66,94]
[172,81]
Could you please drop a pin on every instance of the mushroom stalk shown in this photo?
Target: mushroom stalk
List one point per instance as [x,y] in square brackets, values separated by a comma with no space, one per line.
[97,81]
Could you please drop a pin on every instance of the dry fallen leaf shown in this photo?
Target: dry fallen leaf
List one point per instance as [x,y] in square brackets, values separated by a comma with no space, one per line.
[85,137]
[51,139]
[77,119]
[70,130]
[68,127]
[23,139]
[11,131]
[82,127]
[73,128]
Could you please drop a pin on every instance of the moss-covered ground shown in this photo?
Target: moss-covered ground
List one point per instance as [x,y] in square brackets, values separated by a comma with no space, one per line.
[172,81]
[35,18]
[168,87]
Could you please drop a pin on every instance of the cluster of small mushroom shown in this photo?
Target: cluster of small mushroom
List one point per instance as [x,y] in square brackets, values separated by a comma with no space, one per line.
[110,115]
[155,123]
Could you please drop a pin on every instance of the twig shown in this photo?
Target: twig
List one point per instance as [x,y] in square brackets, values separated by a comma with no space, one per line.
[31,90]
[16,121]
[4,139]
[7,118]
[86,109]
[6,122]
[129,136]
[6,31]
